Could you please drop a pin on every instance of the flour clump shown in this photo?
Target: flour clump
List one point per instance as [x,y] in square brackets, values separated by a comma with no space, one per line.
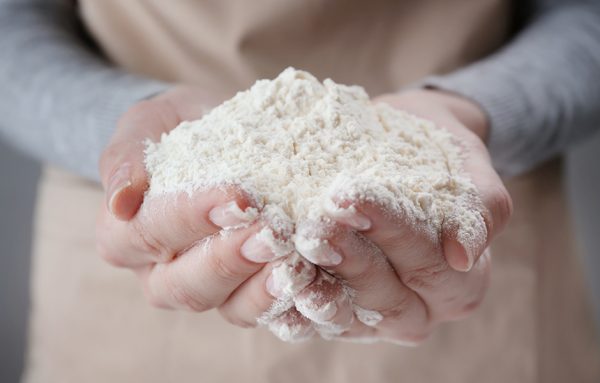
[293,144]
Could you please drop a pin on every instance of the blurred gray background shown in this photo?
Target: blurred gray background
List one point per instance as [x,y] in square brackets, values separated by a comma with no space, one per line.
[18,178]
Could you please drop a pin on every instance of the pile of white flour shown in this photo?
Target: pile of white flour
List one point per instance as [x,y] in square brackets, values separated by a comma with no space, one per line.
[293,143]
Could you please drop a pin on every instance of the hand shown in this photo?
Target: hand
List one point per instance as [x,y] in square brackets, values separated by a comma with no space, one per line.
[173,242]
[414,283]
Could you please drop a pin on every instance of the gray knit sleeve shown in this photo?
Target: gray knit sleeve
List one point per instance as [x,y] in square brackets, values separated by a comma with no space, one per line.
[542,90]
[59,100]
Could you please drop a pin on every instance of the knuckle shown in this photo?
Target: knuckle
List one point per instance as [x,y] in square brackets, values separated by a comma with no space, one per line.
[183,295]
[460,307]
[223,270]
[470,307]
[146,242]
[461,312]
[399,309]
[426,278]
[466,309]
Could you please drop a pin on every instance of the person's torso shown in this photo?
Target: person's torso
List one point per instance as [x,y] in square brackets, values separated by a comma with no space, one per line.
[227,45]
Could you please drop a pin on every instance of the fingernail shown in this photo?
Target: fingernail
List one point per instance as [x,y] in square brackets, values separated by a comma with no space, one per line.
[368,317]
[460,262]
[229,215]
[358,221]
[334,257]
[470,263]
[119,181]
[457,256]
[271,288]
[255,250]
[318,251]
[348,216]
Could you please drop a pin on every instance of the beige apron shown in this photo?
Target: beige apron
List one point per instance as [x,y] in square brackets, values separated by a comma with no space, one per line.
[90,322]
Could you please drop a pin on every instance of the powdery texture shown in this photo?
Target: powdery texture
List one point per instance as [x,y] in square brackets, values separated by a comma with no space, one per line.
[293,275]
[294,145]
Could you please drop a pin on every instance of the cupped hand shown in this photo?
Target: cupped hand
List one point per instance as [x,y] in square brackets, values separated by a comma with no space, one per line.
[402,282]
[177,244]
[397,284]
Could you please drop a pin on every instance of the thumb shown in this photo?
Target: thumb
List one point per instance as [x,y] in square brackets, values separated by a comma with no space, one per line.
[124,179]
[122,168]
[494,207]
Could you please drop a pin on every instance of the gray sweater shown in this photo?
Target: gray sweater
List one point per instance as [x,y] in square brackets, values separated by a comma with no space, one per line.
[60,100]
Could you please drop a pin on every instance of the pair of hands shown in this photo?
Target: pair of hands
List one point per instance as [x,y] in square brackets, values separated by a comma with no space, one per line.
[174,244]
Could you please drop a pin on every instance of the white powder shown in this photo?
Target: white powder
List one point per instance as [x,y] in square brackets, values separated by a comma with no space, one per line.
[293,275]
[369,317]
[293,143]
[290,328]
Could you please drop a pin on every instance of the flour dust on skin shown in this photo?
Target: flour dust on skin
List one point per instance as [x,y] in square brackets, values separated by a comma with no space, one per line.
[294,145]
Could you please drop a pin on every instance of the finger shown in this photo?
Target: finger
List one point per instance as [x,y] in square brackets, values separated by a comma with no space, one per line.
[292,326]
[367,272]
[250,300]
[122,168]
[268,294]
[494,204]
[418,260]
[166,225]
[204,276]
[380,300]
[327,303]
